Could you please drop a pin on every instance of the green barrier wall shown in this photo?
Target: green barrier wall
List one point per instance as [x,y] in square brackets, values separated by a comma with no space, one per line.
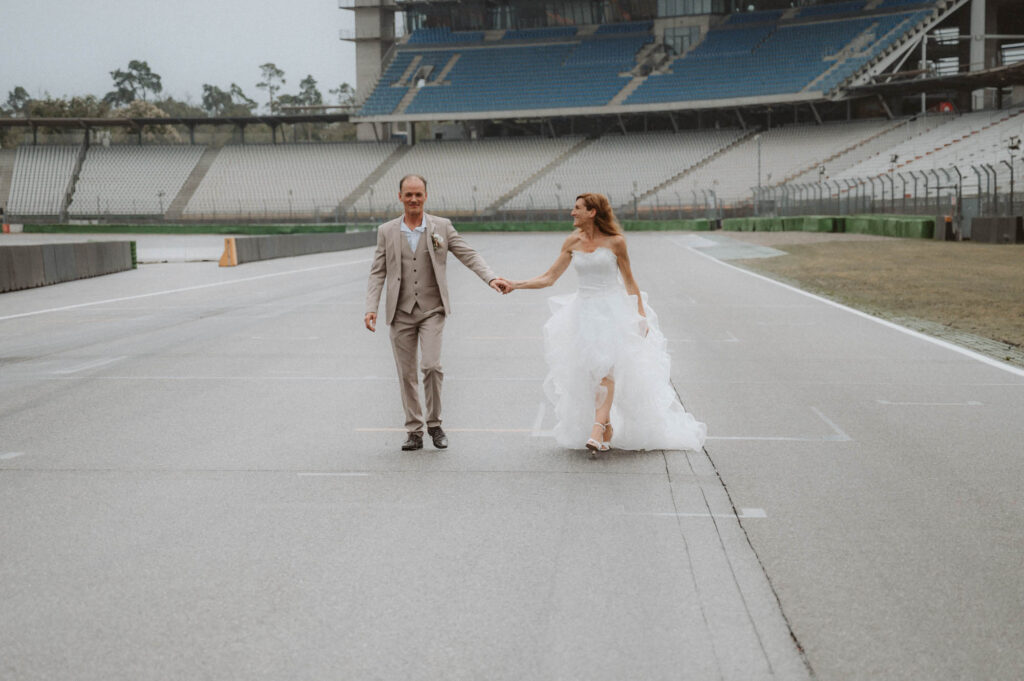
[905,226]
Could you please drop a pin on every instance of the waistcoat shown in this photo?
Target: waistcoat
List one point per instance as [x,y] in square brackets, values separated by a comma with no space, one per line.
[419,285]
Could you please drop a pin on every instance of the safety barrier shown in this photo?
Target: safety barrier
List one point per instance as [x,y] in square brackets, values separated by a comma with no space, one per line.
[1008,230]
[239,250]
[906,226]
[30,266]
[802,223]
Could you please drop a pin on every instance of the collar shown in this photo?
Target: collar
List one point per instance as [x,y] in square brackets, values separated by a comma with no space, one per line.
[405,228]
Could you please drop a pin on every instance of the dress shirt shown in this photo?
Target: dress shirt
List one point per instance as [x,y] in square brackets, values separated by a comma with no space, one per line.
[413,235]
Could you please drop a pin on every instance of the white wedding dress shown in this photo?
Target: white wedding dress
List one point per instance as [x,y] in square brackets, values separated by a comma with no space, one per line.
[598,332]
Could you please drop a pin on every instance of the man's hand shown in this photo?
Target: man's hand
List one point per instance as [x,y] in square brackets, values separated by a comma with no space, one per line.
[371,321]
[501,285]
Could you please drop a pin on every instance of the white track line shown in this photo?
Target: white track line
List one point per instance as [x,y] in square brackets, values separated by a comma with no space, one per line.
[910,332]
[182,290]
[95,364]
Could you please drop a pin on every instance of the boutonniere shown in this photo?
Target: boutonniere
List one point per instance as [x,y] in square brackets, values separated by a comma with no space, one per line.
[437,241]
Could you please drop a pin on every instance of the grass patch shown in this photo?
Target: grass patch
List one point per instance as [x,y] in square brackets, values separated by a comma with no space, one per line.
[968,287]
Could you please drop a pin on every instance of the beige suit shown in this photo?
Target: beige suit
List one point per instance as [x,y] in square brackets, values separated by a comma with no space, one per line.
[416,305]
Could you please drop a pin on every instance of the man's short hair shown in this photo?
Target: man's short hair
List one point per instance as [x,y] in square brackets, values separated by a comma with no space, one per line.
[418,177]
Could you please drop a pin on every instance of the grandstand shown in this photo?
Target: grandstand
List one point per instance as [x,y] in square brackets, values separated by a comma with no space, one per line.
[285,180]
[719,112]
[132,180]
[767,56]
[40,179]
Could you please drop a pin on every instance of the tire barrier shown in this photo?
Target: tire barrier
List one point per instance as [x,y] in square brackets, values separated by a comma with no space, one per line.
[1005,230]
[239,250]
[803,223]
[30,266]
[905,226]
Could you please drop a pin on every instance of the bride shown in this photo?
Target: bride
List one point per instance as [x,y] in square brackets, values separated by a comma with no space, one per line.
[608,360]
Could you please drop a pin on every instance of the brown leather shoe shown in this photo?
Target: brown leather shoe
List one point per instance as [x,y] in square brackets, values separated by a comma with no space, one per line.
[415,441]
[438,436]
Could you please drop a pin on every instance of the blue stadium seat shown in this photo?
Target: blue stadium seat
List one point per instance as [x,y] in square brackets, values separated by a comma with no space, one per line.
[750,54]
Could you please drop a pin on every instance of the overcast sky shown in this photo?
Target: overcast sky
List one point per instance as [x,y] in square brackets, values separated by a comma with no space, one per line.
[69,47]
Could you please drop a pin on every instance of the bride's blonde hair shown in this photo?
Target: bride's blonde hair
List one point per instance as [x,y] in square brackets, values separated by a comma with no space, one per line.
[604,217]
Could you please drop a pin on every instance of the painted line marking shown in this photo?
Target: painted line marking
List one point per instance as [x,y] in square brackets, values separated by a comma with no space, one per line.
[902,329]
[971,403]
[11,455]
[183,290]
[839,435]
[333,475]
[745,514]
[95,364]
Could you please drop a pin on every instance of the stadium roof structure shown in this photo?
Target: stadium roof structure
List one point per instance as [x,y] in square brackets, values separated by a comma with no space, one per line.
[139,123]
[999,77]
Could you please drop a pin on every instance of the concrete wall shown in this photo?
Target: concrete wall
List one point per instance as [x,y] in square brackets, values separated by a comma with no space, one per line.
[238,250]
[1001,230]
[24,267]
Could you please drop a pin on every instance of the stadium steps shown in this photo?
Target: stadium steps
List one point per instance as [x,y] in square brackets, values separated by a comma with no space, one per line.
[582,144]
[406,100]
[696,166]
[349,201]
[627,89]
[413,90]
[851,49]
[6,175]
[447,68]
[410,70]
[177,207]
[69,193]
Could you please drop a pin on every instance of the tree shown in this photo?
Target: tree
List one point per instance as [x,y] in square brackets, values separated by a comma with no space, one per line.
[216,102]
[284,101]
[240,100]
[153,133]
[345,93]
[17,101]
[273,79]
[308,92]
[76,107]
[133,84]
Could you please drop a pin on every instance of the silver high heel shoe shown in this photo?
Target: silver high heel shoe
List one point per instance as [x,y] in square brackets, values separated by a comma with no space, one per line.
[594,446]
[609,432]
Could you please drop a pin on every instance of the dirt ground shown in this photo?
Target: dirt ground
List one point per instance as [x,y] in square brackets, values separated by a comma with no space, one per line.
[968,293]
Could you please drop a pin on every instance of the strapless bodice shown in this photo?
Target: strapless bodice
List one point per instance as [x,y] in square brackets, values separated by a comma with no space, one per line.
[598,272]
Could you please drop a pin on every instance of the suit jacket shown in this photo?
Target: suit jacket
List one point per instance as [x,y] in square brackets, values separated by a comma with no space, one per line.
[387,261]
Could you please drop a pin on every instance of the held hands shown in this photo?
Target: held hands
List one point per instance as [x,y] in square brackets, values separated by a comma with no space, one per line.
[501,285]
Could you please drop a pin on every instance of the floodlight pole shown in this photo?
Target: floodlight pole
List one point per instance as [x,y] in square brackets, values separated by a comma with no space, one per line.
[757,208]
[1009,164]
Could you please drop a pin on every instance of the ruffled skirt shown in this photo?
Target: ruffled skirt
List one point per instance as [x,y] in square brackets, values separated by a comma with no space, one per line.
[590,337]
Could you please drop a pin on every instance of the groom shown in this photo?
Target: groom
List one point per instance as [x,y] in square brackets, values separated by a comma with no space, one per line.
[411,256]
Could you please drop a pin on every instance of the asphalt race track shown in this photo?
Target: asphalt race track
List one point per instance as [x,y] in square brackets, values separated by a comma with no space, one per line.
[200,478]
